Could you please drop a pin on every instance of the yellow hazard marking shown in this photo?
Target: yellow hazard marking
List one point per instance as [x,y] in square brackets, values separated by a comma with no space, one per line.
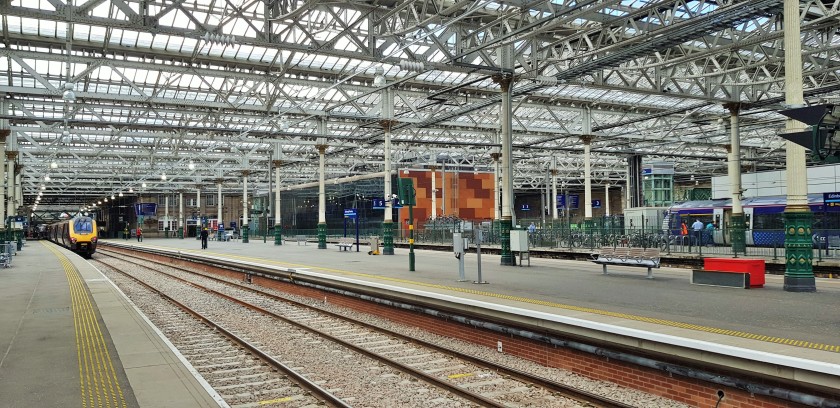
[452,376]
[669,323]
[100,387]
[410,226]
[274,401]
[411,240]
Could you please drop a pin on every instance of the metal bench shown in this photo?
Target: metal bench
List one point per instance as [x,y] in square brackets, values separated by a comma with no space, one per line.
[624,256]
[345,243]
[299,239]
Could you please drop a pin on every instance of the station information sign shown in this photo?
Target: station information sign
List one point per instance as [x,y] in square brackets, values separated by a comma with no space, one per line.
[831,201]
[573,201]
[350,213]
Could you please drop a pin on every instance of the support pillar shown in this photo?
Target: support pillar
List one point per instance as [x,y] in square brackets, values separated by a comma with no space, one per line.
[166,217]
[387,122]
[322,195]
[220,223]
[433,172]
[198,211]
[553,201]
[10,183]
[245,207]
[799,272]
[278,225]
[737,225]
[5,133]
[388,222]
[506,222]
[587,180]
[180,215]
[497,214]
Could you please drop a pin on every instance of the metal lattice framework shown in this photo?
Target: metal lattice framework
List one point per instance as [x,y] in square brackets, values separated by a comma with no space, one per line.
[198,90]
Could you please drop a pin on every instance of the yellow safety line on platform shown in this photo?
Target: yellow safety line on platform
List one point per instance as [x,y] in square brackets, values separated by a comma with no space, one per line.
[733,333]
[97,377]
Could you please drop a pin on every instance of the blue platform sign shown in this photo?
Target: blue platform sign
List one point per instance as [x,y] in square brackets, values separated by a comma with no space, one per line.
[145,209]
[596,203]
[379,204]
[233,225]
[350,213]
[526,207]
[573,201]
[831,201]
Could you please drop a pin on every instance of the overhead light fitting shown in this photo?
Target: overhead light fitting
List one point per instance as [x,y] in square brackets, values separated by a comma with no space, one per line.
[121,194]
[53,165]
[106,199]
[144,185]
[163,177]
[130,190]
[191,166]
[47,177]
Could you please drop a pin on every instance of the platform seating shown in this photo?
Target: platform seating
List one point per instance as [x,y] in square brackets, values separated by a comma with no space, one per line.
[345,243]
[625,256]
[299,239]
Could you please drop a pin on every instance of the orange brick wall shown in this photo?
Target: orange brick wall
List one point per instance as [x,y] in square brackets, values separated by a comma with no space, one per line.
[468,195]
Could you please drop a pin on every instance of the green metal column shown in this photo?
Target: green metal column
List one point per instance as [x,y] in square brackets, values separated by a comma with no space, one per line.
[388,238]
[504,239]
[322,235]
[737,229]
[278,234]
[245,234]
[799,272]
[799,255]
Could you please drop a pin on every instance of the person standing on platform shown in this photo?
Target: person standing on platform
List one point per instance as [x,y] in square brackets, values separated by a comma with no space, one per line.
[204,234]
[698,231]
[139,234]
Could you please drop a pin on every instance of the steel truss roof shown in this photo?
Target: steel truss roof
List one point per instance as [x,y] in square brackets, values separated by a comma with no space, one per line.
[237,85]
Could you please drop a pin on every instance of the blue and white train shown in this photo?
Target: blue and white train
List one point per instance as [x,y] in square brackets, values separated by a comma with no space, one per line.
[763,217]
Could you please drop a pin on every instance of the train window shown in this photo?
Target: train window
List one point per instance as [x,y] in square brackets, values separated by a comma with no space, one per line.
[82,226]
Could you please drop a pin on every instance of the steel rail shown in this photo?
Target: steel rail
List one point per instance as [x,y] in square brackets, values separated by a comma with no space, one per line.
[562,389]
[293,375]
[477,398]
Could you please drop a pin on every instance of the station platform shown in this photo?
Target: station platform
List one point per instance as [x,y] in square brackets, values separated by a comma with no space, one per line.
[764,330]
[765,320]
[70,338]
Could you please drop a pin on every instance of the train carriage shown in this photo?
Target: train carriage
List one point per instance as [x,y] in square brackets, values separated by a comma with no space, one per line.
[78,234]
[763,218]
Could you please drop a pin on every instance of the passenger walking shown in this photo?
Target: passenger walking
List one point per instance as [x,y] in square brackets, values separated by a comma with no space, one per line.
[698,231]
[139,234]
[204,234]
[710,233]
[531,230]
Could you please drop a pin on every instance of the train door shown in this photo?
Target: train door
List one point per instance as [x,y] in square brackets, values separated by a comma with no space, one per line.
[748,215]
[718,219]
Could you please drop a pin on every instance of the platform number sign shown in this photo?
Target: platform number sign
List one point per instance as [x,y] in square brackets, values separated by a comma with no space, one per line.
[831,201]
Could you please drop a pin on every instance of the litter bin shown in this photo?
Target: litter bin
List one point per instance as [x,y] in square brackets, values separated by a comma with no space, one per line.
[374,246]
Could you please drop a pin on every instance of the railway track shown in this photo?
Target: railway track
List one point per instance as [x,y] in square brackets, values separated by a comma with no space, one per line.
[241,374]
[470,378]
